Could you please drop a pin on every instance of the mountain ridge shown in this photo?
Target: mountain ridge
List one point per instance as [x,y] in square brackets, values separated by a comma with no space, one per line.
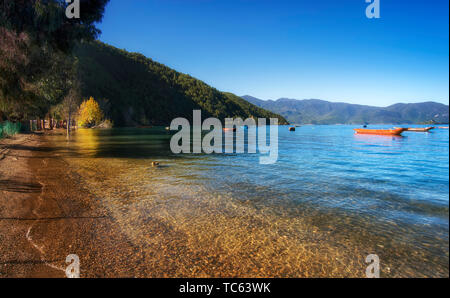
[317,111]
[135,90]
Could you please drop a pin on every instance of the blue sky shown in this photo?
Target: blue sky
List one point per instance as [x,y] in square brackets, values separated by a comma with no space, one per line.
[326,49]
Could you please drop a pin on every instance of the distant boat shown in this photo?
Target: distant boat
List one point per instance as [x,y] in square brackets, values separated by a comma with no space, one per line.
[390,132]
[419,129]
[443,127]
[229,129]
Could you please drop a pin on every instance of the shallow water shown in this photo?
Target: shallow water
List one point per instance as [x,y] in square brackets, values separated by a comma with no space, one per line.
[332,198]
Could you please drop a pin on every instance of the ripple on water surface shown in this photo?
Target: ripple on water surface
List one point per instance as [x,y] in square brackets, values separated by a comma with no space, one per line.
[330,200]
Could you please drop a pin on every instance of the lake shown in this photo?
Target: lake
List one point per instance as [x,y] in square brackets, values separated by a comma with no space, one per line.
[331,199]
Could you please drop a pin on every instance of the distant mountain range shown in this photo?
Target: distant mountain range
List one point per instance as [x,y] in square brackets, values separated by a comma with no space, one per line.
[315,111]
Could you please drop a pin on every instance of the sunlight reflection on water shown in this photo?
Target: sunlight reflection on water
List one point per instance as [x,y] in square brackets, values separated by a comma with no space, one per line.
[331,199]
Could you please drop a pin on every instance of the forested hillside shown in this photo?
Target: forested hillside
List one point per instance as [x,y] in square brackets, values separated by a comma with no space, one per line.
[135,90]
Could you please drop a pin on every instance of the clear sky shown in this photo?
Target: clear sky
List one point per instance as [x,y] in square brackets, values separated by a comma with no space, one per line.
[325,49]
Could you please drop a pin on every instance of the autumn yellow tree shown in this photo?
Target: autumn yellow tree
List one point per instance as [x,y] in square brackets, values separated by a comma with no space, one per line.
[89,113]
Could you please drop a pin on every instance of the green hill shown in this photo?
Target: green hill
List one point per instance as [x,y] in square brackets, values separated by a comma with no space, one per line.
[135,90]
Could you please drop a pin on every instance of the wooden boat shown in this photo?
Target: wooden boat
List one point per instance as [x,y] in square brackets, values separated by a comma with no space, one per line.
[386,132]
[443,127]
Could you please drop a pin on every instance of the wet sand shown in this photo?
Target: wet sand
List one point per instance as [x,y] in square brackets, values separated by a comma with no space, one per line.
[19,198]
[45,215]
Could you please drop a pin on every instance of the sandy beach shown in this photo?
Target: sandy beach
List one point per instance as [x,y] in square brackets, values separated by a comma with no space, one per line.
[45,216]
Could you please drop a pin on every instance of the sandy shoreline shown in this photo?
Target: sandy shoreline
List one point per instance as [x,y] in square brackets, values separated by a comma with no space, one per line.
[19,197]
[48,211]
[45,215]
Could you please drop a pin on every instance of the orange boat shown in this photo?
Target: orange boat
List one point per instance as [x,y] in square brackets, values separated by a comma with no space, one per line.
[389,132]
[229,129]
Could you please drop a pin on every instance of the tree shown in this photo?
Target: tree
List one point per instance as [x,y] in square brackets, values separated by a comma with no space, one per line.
[36,41]
[45,21]
[70,106]
[89,113]
[67,109]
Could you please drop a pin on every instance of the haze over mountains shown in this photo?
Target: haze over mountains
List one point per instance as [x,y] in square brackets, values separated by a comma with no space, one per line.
[315,111]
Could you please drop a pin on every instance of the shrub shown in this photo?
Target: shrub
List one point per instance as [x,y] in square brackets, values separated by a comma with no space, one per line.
[8,129]
[89,113]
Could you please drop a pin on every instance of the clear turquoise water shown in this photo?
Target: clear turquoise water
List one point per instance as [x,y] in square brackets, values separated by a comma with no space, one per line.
[357,194]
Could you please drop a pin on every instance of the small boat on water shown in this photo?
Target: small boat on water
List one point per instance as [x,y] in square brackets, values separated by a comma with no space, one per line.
[229,129]
[385,132]
[292,128]
[419,129]
[443,127]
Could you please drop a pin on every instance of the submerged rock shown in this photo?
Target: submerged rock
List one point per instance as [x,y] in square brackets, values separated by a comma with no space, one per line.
[105,124]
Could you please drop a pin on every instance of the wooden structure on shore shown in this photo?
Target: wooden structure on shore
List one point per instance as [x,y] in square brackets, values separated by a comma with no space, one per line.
[41,124]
